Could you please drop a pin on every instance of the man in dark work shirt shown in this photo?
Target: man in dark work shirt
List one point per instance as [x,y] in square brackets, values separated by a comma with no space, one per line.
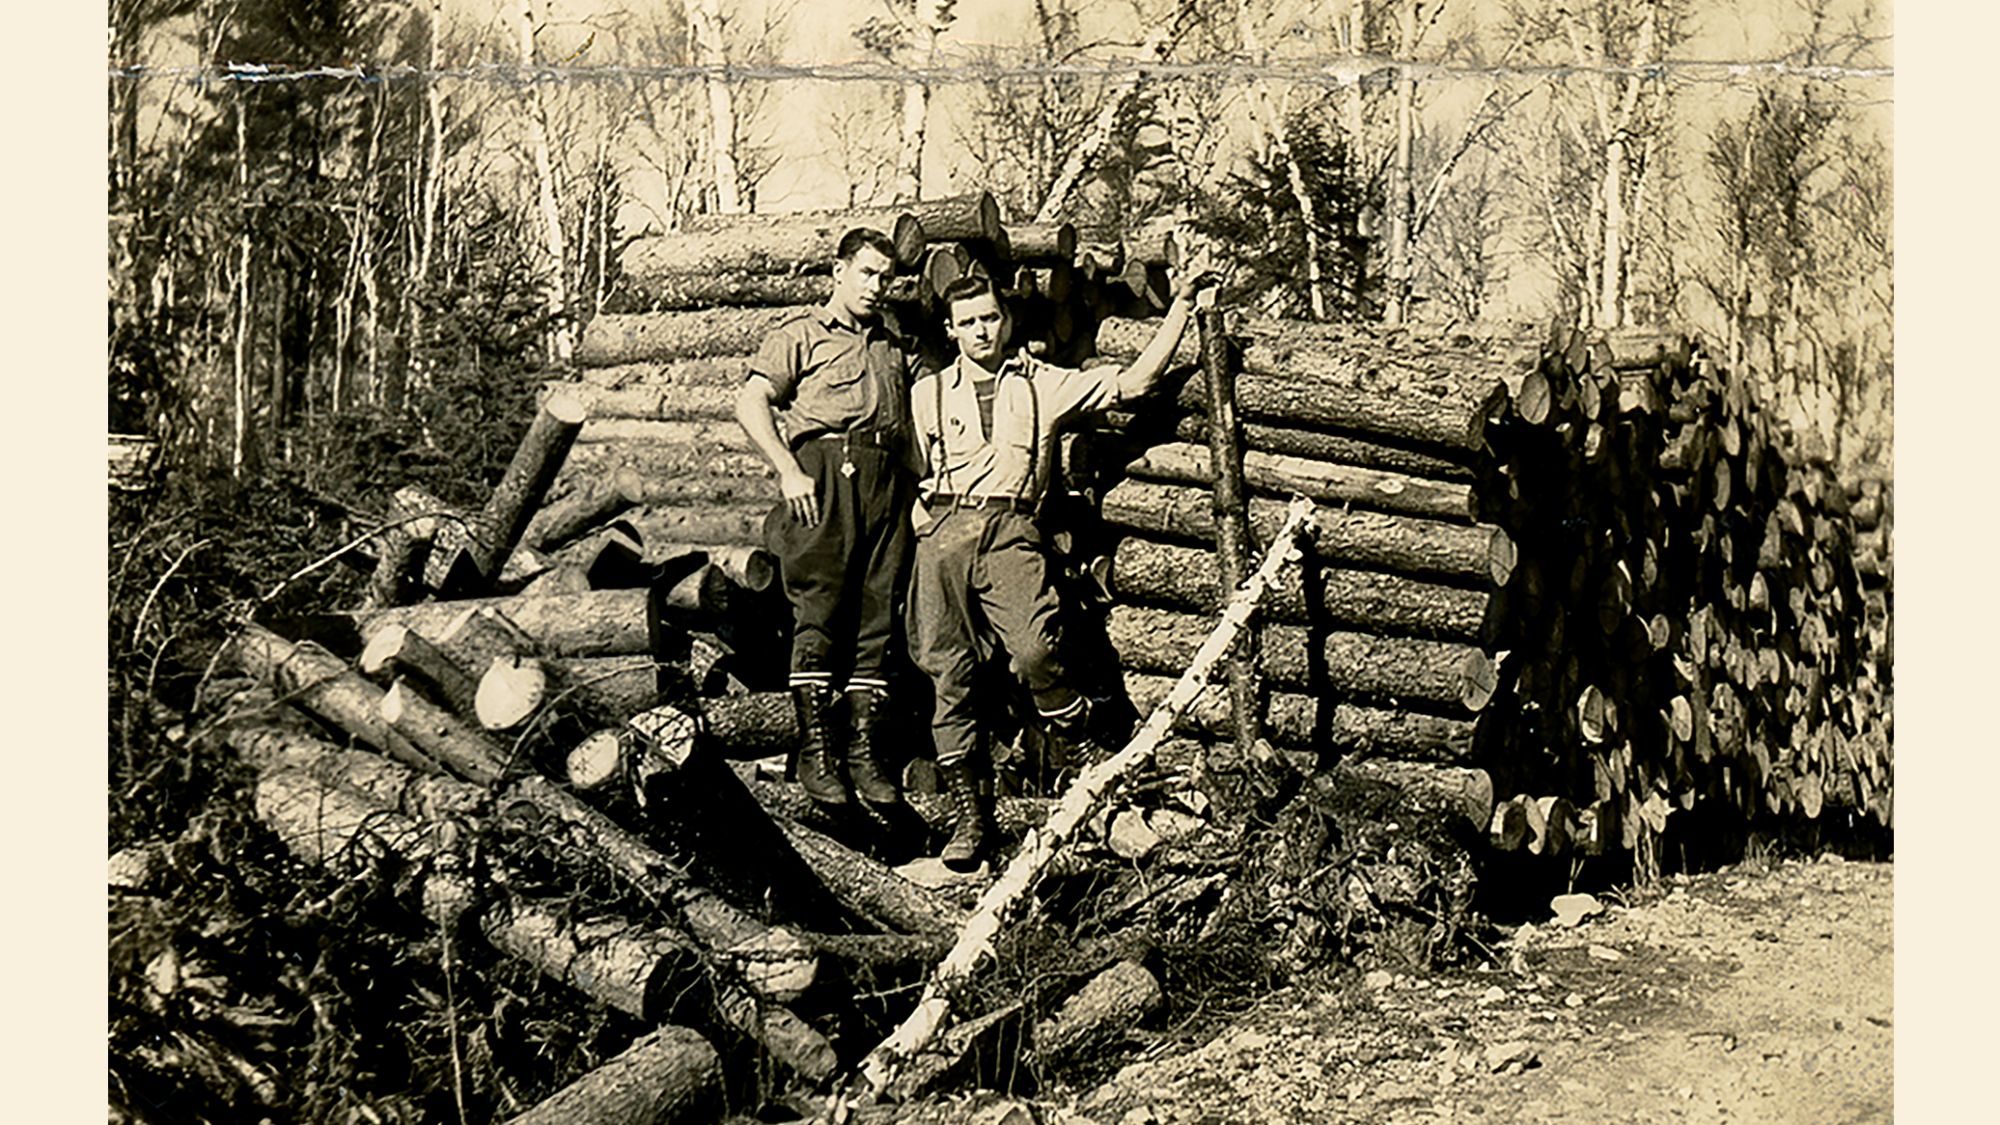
[840,375]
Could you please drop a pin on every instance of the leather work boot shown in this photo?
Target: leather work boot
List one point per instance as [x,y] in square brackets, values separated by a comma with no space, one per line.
[867,762]
[972,812]
[1079,736]
[819,754]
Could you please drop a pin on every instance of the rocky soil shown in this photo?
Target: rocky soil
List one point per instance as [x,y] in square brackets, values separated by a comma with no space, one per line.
[1756,994]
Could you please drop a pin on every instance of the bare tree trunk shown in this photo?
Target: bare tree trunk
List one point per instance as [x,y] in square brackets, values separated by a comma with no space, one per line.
[705,21]
[562,339]
[1611,279]
[916,114]
[1397,306]
[1355,104]
[240,368]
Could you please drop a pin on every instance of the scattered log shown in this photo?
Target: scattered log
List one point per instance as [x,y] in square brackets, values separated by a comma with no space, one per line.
[472,552]
[1401,544]
[1294,719]
[1454,421]
[868,887]
[409,526]
[323,684]
[340,828]
[400,652]
[1284,476]
[669,1076]
[444,736]
[611,960]
[1184,578]
[1112,1003]
[596,502]
[679,473]
[689,391]
[667,290]
[600,623]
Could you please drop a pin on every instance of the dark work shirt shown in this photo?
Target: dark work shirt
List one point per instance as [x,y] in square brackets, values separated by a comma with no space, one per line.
[832,376]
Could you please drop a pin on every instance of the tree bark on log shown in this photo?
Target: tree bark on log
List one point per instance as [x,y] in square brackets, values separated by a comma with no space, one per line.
[1276,474]
[670,1076]
[409,527]
[691,378]
[442,735]
[613,338]
[732,524]
[713,435]
[1351,357]
[1043,242]
[1456,797]
[586,508]
[957,218]
[323,684]
[665,291]
[399,651]
[1401,544]
[609,959]
[599,623]
[868,887]
[899,223]
[1183,578]
[1316,445]
[756,725]
[1291,719]
[689,481]
[1449,417]
[1102,1011]
[707,400]
[1356,664]
[473,551]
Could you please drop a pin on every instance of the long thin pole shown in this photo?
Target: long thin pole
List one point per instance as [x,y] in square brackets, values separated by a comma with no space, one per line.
[1232,518]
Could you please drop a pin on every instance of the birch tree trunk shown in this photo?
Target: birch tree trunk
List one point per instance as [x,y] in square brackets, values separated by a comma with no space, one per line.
[1273,123]
[562,340]
[916,114]
[705,20]
[240,367]
[1396,307]
[1354,105]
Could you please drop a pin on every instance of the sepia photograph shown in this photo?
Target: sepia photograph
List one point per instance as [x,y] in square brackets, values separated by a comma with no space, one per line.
[1000,562]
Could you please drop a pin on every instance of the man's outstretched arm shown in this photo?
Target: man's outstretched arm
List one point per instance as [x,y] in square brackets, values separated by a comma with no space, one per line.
[1145,372]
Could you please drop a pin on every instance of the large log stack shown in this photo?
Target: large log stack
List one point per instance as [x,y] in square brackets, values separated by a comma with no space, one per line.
[1584,575]
[1688,621]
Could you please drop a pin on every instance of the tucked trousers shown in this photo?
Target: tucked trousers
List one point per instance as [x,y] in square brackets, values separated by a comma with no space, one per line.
[981,584]
[845,575]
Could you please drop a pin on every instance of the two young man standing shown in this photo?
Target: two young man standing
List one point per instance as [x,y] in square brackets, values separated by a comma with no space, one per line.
[872,432]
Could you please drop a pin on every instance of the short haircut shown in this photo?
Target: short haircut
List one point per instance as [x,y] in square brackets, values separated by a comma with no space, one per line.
[966,288]
[852,242]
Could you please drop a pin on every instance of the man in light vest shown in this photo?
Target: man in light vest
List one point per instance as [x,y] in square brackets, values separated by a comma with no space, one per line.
[985,427]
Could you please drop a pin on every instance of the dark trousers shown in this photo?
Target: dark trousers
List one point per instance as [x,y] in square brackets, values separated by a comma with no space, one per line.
[844,576]
[981,581]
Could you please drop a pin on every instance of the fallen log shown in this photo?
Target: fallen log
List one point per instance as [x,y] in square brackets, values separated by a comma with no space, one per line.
[614,338]
[401,652]
[599,623]
[323,684]
[1402,544]
[1112,1003]
[678,472]
[595,502]
[611,960]
[1280,475]
[1184,578]
[467,556]
[691,379]
[443,736]
[663,290]
[738,524]
[690,390]
[669,1076]
[1455,419]
[404,543]
[953,218]
[868,887]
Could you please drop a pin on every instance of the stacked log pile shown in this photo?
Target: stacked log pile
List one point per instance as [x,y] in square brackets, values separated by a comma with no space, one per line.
[1688,621]
[1581,574]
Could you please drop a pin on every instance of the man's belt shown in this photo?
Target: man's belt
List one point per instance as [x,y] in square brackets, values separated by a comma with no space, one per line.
[981,503]
[865,439]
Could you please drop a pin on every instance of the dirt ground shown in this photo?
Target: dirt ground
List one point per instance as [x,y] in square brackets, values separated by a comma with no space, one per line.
[1749,995]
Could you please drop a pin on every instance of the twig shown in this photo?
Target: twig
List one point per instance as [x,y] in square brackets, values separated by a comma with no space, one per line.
[451,1022]
[139,624]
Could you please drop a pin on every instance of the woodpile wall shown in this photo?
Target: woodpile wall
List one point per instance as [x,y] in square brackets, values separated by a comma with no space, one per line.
[1560,587]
